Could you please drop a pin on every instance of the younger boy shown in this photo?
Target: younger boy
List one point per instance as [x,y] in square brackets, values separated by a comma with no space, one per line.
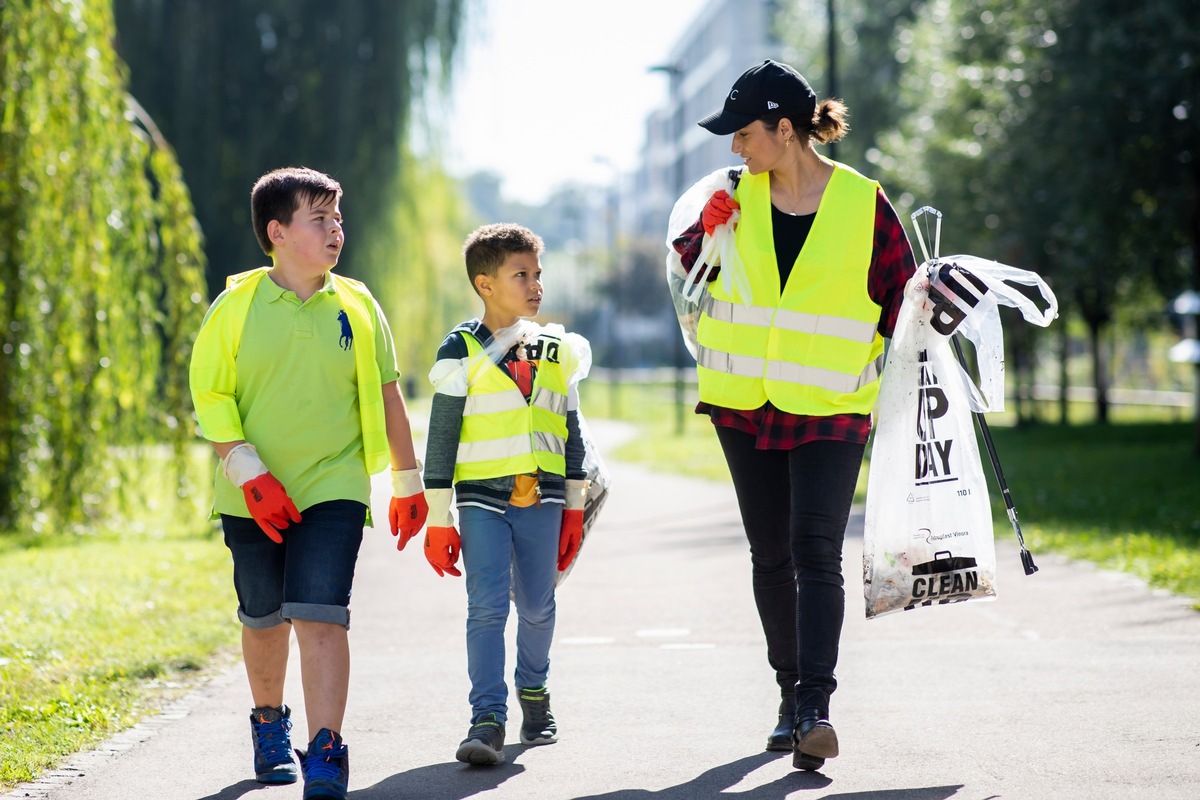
[504,433]
[294,381]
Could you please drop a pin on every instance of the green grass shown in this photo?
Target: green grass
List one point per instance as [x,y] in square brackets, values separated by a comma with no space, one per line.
[100,630]
[1122,495]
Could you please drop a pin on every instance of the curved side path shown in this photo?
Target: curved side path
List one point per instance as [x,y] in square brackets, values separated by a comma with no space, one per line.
[1074,683]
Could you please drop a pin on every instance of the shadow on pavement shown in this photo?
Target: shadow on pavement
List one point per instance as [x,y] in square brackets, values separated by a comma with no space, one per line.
[718,780]
[926,793]
[450,781]
[457,782]
[236,790]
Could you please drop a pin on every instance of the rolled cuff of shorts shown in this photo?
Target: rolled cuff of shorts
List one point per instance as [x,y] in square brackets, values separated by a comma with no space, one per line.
[261,623]
[315,612]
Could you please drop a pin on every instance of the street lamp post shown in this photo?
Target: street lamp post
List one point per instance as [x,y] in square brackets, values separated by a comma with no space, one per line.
[675,74]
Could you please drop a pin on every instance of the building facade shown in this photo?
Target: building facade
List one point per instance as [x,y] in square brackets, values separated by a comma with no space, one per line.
[726,38]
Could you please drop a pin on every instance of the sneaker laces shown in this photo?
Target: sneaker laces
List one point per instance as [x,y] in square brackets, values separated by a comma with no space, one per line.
[322,763]
[271,736]
[536,705]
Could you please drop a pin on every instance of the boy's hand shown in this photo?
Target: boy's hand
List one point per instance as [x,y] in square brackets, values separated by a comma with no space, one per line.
[570,536]
[442,541]
[266,499]
[717,211]
[408,509]
[270,505]
[441,550]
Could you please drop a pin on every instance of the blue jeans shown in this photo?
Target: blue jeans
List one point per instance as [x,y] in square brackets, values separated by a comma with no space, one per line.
[308,576]
[515,551]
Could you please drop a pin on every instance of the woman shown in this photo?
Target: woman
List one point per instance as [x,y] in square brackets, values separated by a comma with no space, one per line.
[788,360]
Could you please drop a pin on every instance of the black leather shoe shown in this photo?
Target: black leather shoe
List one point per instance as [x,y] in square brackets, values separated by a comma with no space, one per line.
[815,740]
[781,737]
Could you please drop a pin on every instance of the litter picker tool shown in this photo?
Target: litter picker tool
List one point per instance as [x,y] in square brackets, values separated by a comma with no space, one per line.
[945,277]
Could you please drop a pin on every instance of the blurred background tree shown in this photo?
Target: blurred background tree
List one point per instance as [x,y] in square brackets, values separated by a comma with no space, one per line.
[240,88]
[1060,137]
[101,272]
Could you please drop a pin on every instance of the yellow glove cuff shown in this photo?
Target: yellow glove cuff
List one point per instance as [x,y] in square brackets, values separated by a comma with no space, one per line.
[439,508]
[577,492]
[407,482]
[242,464]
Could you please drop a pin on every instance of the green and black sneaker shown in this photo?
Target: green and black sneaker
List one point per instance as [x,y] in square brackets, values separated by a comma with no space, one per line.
[538,726]
[484,745]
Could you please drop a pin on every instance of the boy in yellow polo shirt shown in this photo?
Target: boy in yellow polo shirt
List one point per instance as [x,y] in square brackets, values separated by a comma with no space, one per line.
[504,436]
[294,381]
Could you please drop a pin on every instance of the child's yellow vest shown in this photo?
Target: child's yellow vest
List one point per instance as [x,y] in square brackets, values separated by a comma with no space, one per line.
[502,433]
[213,373]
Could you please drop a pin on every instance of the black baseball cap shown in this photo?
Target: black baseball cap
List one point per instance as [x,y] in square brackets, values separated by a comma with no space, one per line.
[764,89]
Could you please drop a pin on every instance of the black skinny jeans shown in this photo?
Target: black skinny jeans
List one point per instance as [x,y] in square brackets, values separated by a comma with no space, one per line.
[794,505]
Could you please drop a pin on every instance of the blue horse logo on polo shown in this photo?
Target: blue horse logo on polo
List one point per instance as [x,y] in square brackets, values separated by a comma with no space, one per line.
[347,340]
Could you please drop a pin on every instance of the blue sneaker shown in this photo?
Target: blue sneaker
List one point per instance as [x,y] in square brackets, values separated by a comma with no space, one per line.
[326,767]
[273,762]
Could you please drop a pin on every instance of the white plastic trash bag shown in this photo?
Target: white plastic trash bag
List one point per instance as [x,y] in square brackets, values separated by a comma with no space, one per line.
[600,483]
[928,537]
[720,250]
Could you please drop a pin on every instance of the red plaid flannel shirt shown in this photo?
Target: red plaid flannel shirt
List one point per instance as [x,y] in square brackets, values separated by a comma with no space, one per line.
[892,264]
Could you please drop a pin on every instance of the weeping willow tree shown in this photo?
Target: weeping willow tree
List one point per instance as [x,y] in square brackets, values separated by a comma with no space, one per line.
[422,284]
[240,88]
[101,272]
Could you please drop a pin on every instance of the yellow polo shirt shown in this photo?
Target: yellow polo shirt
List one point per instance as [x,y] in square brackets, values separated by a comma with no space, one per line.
[297,395]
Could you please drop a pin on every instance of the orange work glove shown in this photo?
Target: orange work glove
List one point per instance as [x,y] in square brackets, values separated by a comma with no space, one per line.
[266,499]
[570,536]
[717,211]
[408,509]
[442,542]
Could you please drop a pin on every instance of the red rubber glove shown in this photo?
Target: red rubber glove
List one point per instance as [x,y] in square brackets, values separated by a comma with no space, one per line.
[266,499]
[441,550]
[717,211]
[570,536]
[270,505]
[442,542]
[408,508]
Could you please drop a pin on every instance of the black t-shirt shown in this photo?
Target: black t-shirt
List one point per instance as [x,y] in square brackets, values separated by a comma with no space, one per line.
[790,231]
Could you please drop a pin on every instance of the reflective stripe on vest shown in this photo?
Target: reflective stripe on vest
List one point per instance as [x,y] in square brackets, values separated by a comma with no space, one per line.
[502,434]
[813,348]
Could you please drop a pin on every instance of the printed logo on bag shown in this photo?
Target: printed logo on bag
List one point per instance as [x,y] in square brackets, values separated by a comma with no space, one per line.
[944,579]
[932,464]
[954,292]
[544,347]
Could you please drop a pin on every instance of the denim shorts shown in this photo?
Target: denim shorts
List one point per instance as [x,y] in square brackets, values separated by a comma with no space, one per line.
[307,577]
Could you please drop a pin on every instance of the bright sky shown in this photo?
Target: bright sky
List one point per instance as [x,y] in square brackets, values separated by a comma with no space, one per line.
[549,89]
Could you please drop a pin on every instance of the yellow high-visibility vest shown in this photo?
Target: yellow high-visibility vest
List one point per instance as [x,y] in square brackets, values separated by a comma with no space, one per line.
[213,372]
[502,433]
[813,348]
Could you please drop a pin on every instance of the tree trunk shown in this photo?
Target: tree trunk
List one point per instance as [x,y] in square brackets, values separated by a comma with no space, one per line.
[1099,373]
[1064,348]
[1194,226]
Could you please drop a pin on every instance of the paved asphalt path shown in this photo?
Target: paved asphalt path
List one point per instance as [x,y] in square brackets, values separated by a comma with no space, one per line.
[1074,683]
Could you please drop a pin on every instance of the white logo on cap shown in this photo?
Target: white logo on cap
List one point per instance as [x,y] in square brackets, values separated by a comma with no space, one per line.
[772,104]
[733,94]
